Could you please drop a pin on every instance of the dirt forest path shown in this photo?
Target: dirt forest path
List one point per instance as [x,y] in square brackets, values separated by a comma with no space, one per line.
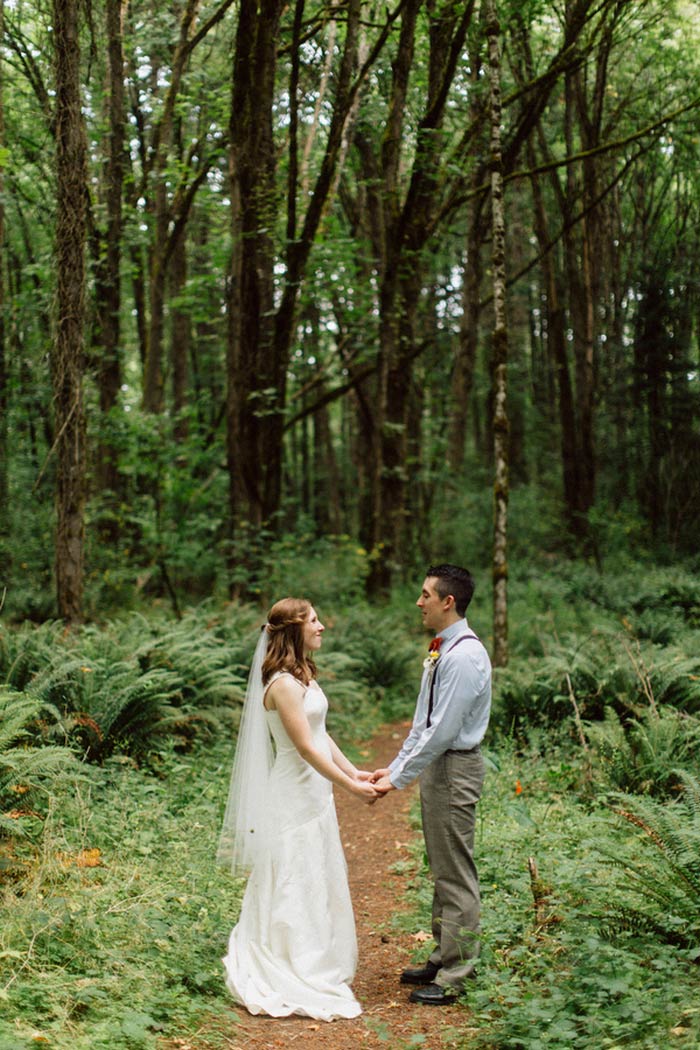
[374,838]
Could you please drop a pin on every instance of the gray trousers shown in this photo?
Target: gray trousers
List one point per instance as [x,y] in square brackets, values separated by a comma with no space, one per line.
[449,790]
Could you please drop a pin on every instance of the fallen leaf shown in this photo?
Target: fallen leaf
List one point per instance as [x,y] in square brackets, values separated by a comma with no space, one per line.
[88,858]
[422,936]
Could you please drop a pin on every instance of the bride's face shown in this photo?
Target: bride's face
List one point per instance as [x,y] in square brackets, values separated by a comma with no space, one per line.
[313,629]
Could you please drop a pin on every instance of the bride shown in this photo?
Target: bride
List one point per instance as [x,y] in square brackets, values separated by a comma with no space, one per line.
[294,949]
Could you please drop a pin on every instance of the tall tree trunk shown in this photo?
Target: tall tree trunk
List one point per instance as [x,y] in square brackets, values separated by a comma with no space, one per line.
[465,357]
[260,336]
[67,363]
[500,351]
[404,226]
[179,339]
[252,392]
[162,242]
[107,275]
[4,394]
[557,351]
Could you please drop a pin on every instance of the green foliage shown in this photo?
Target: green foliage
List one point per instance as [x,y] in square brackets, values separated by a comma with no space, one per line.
[643,755]
[115,936]
[386,654]
[594,672]
[130,683]
[561,973]
[26,773]
[329,571]
[659,883]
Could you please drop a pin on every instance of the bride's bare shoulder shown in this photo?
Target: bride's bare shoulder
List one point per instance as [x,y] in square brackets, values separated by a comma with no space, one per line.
[283,685]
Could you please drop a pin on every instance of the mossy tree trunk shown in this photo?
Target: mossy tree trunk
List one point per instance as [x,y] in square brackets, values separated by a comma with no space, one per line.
[500,350]
[68,340]
[107,261]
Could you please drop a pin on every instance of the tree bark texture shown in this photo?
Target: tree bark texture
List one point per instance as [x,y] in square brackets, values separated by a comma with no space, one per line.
[500,351]
[4,378]
[179,339]
[403,223]
[67,350]
[261,334]
[465,357]
[108,261]
[163,217]
[253,392]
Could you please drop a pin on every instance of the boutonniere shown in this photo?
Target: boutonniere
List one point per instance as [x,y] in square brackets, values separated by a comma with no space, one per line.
[433,653]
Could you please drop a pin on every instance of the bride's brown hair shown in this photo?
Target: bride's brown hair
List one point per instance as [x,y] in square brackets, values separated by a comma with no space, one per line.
[285,649]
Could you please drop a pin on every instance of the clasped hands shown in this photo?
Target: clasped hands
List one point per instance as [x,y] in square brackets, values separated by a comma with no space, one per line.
[379,781]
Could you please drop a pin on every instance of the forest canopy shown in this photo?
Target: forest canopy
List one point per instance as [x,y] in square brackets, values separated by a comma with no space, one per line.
[249,287]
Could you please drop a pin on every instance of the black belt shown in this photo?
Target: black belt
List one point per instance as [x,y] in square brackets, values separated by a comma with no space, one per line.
[463,750]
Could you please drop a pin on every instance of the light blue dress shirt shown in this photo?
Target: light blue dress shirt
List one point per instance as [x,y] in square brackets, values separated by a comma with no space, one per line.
[461,706]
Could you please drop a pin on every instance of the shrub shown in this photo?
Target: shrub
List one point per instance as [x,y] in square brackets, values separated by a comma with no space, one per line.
[25,772]
[642,755]
[659,882]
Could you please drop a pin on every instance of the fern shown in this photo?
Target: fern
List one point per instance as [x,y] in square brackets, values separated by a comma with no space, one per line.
[212,670]
[661,883]
[25,771]
[643,755]
[125,684]
[607,670]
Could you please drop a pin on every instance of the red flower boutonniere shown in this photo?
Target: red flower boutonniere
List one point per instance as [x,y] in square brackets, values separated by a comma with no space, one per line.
[433,653]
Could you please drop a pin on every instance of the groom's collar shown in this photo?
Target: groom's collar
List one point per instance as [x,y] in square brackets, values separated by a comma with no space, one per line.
[453,630]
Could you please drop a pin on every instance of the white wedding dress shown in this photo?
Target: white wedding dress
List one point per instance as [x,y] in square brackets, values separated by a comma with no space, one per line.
[294,949]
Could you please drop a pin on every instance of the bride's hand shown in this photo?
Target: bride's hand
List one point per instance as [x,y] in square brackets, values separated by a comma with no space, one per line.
[364,790]
[363,774]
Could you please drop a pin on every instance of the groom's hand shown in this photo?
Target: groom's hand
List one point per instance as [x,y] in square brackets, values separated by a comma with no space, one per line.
[383,785]
[377,775]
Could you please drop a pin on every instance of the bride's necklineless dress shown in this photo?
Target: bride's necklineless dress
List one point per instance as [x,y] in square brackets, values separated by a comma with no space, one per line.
[294,949]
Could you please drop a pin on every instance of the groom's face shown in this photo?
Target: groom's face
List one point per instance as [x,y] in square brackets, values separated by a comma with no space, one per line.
[431,605]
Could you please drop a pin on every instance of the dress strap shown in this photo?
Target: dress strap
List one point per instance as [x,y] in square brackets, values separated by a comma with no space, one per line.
[281,674]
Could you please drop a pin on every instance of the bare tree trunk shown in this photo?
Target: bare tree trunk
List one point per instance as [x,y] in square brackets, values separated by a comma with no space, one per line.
[557,352]
[71,172]
[405,219]
[500,352]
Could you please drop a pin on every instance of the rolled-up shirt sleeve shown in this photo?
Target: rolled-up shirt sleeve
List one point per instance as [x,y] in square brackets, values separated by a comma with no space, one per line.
[461,708]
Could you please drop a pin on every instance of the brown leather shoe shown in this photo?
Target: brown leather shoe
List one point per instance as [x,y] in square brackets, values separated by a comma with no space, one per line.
[424,975]
[433,995]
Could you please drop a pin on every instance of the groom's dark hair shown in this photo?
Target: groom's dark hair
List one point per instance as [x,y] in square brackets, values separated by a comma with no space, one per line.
[452,579]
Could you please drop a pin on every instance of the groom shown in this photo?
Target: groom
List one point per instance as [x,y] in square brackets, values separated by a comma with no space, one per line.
[450,721]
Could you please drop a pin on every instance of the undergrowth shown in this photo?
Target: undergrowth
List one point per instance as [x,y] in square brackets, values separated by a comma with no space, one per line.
[114,916]
[113,936]
[564,962]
